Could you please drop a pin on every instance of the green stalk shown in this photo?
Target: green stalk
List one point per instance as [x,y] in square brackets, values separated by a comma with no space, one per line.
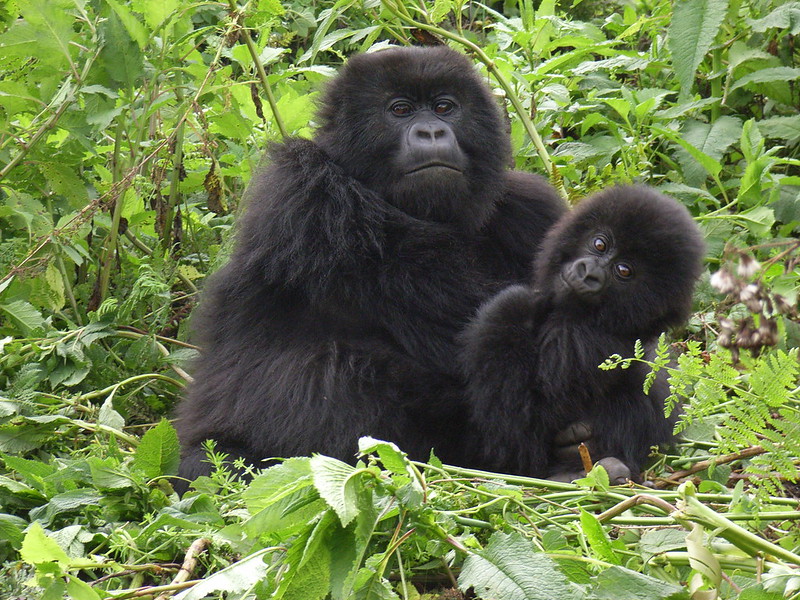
[262,74]
[175,179]
[716,82]
[398,10]
[111,246]
[690,509]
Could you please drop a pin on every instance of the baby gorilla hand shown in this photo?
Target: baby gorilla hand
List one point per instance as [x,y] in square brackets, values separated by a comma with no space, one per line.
[566,444]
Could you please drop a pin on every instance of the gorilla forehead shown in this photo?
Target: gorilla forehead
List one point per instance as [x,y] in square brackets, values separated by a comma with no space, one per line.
[643,222]
[416,73]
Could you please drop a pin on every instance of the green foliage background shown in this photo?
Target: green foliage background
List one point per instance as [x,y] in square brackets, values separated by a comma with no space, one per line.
[128,132]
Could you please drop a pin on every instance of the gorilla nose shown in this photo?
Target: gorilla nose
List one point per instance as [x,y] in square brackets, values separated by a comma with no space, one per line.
[430,133]
[590,275]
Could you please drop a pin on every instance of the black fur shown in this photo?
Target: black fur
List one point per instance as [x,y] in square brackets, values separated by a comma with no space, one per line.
[338,312]
[532,353]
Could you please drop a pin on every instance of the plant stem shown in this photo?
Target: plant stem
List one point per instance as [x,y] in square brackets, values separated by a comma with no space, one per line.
[262,74]
[111,245]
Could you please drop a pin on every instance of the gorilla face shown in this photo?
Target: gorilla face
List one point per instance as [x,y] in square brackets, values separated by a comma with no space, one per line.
[625,260]
[598,267]
[420,128]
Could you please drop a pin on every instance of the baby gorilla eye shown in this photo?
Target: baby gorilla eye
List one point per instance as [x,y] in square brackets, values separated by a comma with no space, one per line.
[600,244]
[401,108]
[443,107]
[624,271]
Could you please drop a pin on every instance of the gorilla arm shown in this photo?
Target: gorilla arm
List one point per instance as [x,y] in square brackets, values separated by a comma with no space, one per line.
[348,254]
[499,354]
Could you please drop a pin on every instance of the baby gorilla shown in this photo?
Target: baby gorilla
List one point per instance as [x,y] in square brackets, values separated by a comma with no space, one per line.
[619,267]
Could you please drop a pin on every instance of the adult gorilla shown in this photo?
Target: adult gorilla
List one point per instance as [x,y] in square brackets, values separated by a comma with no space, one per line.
[361,257]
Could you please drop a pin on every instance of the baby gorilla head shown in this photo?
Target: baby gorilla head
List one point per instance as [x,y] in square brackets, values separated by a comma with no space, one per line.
[419,127]
[625,259]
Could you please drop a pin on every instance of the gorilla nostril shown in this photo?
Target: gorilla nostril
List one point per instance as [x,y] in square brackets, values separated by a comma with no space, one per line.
[581,269]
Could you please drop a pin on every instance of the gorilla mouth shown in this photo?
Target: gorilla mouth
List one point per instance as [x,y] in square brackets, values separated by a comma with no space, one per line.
[433,165]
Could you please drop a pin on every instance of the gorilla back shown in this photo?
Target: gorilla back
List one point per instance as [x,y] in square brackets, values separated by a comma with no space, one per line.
[362,255]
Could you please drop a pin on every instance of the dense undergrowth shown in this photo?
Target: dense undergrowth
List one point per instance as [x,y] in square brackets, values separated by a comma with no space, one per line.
[128,132]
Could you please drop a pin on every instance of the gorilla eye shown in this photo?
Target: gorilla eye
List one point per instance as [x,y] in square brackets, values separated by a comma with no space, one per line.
[624,271]
[442,107]
[600,244]
[401,108]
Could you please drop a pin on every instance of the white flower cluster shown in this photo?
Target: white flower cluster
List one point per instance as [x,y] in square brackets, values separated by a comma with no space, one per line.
[760,328]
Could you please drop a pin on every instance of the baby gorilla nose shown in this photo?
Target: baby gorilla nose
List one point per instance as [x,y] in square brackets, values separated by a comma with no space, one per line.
[586,276]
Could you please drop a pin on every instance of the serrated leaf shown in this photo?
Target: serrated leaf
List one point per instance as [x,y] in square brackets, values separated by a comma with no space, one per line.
[783,128]
[618,582]
[158,453]
[598,540]
[136,30]
[333,481]
[694,26]
[706,140]
[782,74]
[25,316]
[785,17]
[38,549]
[441,8]
[508,568]
[391,456]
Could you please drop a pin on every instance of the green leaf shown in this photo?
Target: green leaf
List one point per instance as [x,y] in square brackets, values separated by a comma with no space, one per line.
[11,529]
[132,24]
[37,548]
[109,417]
[782,74]
[758,219]
[73,501]
[694,26]
[618,582]
[121,56]
[80,590]
[508,568]
[107,474]
[334,482]
[51,24]
[309,560]
[598,540]
[159,451]
[29,320]
[441,8]
[156,12]
[786,18]
[709,140]
[782,128]
[391,456]
[282,499]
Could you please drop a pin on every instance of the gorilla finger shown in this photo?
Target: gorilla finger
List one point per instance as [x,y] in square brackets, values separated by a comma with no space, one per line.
[567,454]
[574,434]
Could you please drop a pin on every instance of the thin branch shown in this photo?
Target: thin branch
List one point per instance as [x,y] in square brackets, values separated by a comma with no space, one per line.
[188,566]
[705,464]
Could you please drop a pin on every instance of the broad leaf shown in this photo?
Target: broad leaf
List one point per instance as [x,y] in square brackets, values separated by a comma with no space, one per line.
[508,568]
[694,26]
